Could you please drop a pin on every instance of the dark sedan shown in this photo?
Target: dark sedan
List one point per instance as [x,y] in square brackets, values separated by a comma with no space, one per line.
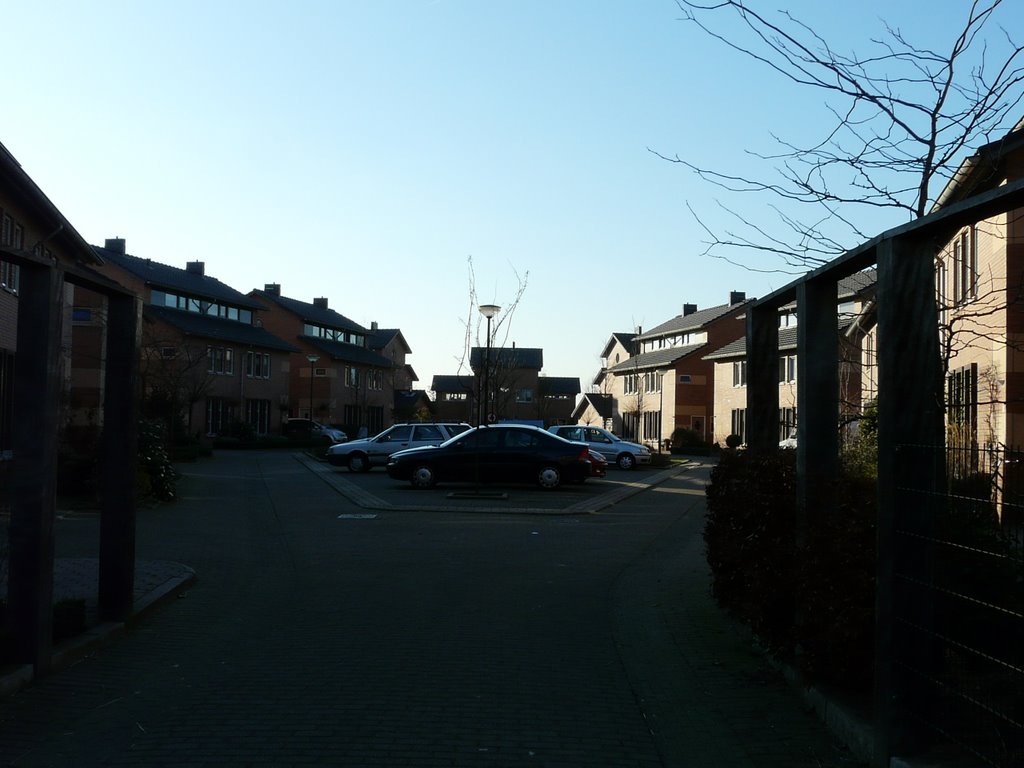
[495,454]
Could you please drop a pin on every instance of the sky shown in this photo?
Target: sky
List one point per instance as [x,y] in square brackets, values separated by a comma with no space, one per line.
[391,155]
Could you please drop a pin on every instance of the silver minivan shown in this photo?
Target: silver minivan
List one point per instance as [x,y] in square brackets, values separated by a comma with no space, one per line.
[622,453]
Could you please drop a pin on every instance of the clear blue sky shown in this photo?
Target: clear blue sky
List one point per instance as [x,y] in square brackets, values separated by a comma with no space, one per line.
[364,151]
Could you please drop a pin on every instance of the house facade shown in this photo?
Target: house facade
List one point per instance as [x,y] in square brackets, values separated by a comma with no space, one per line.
[335,375]
[730,365]
[980,297]
[662,382]
[516,388]
[204,353]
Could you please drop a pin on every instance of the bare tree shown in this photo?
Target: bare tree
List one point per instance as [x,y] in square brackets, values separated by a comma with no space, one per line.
[174,377]
[902,116]
[500,328]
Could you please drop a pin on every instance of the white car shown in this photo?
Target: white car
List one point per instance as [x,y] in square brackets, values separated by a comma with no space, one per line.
[361,455]
[622,453]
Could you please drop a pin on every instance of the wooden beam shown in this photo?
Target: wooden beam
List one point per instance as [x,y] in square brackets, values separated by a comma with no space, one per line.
[118,461]
[37,390]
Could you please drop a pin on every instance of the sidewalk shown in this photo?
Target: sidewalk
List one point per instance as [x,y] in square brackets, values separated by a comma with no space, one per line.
[156,581]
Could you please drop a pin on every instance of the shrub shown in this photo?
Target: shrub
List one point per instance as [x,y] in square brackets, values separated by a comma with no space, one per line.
[817,601]
[156,475]
[733,441]
[749,541]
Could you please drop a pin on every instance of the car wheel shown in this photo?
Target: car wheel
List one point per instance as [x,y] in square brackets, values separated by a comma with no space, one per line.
[358,462]
[423,476]
[626,461]
[549,477]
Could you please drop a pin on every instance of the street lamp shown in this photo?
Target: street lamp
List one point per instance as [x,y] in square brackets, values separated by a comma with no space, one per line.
[312,360]
[488,311]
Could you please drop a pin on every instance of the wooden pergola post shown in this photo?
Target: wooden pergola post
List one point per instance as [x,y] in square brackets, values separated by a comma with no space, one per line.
[37,389]
[119,447]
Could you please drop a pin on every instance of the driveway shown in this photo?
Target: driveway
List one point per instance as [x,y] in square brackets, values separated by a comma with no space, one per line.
[318,633]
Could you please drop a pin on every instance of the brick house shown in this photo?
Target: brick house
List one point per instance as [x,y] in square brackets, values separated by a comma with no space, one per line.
[409,404]
[730,365]
[659,380]
[204,353]
[518,390]
[980,283]
[336,376]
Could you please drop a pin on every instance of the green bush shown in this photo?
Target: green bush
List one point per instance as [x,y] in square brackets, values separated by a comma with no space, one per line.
[749,541]
[816,602]
[156,475]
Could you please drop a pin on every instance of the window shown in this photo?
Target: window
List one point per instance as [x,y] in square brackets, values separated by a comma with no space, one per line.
[220,360]
[652,425]
[257,365]
[652,382]
[81,314]
[739,423]
[787,423]
[199,306]
[524,395]
[962,405]
[739,373]
[685,378]
[965,267]
[429,432]
[352,415]
[257,415]
[375,419]
[375,379]
[219,415]
[351,376]
[787,369]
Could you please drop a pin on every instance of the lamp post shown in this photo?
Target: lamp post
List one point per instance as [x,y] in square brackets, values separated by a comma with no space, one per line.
[312,360]
[488,311]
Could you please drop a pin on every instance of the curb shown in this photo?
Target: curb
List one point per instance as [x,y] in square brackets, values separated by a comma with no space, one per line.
[367,500]
[73,650]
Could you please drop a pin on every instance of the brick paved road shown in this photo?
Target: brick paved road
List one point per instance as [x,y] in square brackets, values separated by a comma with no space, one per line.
[413,639]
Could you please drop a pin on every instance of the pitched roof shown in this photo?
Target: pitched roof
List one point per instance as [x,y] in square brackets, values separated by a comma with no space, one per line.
[453,384]
[549,386]
[312,313]
[659,358]
[217,328]
[625,339]
[509,357]
[379,338]
[695,321]
[604,405]
[787,341]
[33,198]
[164,276]
[983,170]
[348,353]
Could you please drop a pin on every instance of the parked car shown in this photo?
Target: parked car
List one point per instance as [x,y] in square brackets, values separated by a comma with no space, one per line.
[304,428]
[495,454]
[598,464]
[624,454]
[361,455]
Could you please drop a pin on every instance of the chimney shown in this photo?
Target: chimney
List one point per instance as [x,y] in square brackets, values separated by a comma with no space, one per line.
[115,244]
[689,309]
[373,325]
[320,303]
[195,268]
[274,289]
[737,297]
